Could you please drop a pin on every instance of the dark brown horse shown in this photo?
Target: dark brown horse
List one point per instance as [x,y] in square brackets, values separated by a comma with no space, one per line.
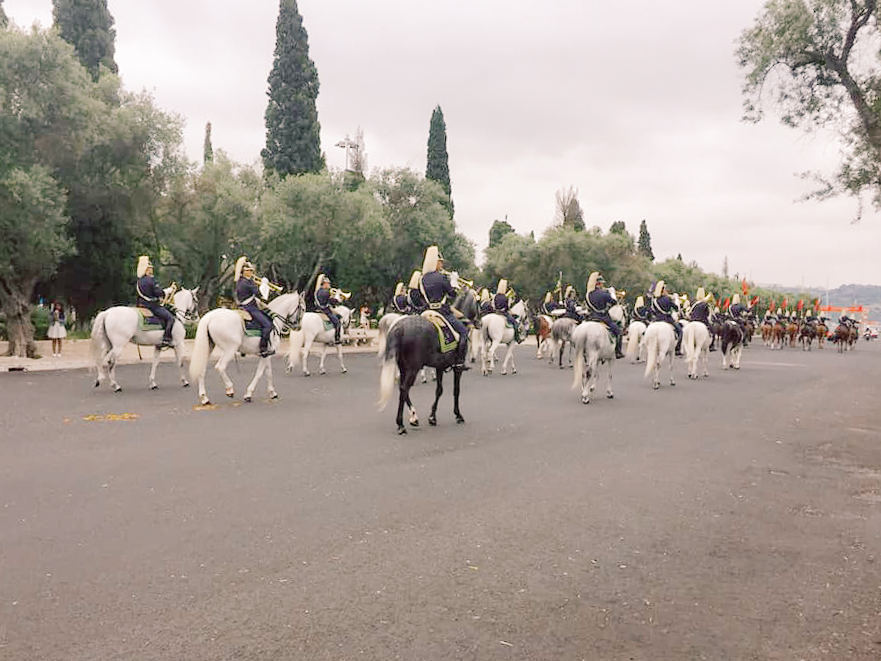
[543,325]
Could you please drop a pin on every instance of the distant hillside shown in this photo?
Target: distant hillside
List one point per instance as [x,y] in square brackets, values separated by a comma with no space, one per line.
[867,295]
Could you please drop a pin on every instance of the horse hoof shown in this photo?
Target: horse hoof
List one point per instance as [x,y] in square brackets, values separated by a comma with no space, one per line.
[288,370]
[513,371]
[344,370]
[610,395]
[672,383]
[230,394]
[655,386]
[117,389]
[504,372]
[246,399]
[402,430]
[460,420]
[307,373]
[97,384]
[273,395]
[154,387]
[432,421]
[185,384]
[585,400]
[322,372]
[414,423]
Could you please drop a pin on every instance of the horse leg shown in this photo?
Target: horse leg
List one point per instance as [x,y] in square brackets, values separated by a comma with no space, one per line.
[261,367]
[221,366]
[339,353]
[587,379]
[509,353]
[672,363]
[438,391]
[179,357]
[414,419]
[307,347]
[609,393]
[155,364]
[457,388]
[112,358]
[321,369]
[408,376]
[422,375]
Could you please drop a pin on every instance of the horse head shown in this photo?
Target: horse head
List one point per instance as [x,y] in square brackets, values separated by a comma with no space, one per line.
[289,307]
[186,304]
[466,303]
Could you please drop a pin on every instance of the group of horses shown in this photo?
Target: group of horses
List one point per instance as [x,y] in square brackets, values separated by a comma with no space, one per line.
[782,332]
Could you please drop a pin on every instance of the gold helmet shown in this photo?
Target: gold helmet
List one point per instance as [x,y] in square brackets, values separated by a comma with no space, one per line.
[659,288]
[242,263]
[399,289]
[700,294]
[414,279]
[144,263]
[432,256]
[503,287]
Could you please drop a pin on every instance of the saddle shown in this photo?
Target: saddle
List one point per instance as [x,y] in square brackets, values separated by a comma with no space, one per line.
[252,328]
[146,320]
[449,339]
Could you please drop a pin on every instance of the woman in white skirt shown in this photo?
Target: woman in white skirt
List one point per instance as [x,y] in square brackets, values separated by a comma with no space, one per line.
[57,330]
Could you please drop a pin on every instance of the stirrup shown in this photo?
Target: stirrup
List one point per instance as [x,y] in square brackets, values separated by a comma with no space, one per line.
[268,351]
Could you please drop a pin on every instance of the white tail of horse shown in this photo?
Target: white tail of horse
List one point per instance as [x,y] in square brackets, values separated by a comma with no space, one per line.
[388,374]
[634,334]
[295,351]
[99,341]
[201,351]
[652,351]
[578,366]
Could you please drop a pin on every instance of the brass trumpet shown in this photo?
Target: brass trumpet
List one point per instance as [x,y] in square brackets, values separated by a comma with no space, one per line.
[169,294]
[340,295]
[271,285]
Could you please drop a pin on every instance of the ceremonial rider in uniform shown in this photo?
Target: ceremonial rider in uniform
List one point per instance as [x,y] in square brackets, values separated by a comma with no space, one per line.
[400,304]
[549,304]
[810,319]
[599,302]
[737,310]
[486,304]
[662,309]
[436,289]
[248,298]
[641,311]
[150,296]
[700,311]
[414,296]
[571,303]
[325,303]
[501,306]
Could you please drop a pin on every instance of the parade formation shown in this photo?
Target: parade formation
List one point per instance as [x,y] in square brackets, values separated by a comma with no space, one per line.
[440,320]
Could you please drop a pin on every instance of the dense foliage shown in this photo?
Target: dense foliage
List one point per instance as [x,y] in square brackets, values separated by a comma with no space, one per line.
[88,26]
[438,161]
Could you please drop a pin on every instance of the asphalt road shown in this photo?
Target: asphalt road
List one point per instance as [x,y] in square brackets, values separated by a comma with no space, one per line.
[734,518]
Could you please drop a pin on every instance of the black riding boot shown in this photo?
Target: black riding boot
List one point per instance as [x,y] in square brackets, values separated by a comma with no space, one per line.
[265,351]
[462,358]
[618,340]
[166,337]
[679,343]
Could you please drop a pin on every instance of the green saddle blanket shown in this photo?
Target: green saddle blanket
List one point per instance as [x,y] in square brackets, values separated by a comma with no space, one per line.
[447,337]
[146,320]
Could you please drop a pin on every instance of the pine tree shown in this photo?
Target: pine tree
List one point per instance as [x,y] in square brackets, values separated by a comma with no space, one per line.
[88,26]
[438,165]
[293,144]
[645,242]
[618,227]
[4,21]
[207,149]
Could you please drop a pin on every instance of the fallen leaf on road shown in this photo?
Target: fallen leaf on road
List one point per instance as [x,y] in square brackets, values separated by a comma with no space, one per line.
[111,416]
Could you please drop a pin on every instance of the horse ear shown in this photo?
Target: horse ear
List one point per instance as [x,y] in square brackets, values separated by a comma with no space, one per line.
[196,290]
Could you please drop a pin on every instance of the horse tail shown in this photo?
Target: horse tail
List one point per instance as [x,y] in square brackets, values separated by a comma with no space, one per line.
[689,342]
[578,341]
[726,340]
[201,350]
[99,339]
[651,344]
[383,332]
[389,368]
[298,338]
[632,343]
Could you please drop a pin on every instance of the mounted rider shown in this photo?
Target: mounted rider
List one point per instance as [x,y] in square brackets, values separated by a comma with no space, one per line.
[438,292]
[325,302]
[810,319]
[247,298]
[501,305]
[486,303]
[150,296]
[549,305]
[599,301]
[571,303]
[663,309]
[641,311]
[737,311]
[414,296]
[400,304]
[701,311]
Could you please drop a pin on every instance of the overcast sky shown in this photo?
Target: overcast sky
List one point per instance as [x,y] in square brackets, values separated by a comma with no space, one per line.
[636,103]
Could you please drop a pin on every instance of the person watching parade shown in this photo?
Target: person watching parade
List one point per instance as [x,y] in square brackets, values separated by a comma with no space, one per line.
[150,296]
[599,301]
[438,292]
[325,302]
[247,297]
[501,306]
[663,308]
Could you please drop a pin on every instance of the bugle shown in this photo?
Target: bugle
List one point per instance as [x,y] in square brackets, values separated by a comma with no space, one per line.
[340,295]
[169,294]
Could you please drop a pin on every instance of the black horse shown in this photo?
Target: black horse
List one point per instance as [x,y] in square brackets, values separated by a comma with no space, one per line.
[412,343]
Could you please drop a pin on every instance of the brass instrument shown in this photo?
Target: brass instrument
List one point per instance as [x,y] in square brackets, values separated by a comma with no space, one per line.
[271,285]
[339,294]
[456,280]
[169,294]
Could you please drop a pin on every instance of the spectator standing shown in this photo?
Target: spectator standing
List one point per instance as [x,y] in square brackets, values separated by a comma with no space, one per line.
[57,330]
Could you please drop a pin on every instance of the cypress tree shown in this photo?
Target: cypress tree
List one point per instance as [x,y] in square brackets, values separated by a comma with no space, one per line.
[292,131]
[207,149]
[4,21]
[438,165]
[645,242]
[88,26]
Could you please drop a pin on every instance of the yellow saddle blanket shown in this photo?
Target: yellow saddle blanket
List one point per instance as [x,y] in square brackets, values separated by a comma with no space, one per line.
[448,337]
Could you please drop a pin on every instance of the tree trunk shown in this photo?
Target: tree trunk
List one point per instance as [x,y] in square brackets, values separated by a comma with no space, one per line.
[19,329]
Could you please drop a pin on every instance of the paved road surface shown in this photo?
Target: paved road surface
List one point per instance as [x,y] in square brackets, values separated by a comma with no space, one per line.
[737,518]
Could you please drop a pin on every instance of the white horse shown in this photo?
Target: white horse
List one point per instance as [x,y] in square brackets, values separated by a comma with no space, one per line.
[635,345]
[114,328]
[660,342]
[593,346]
[225,329]
[495,332]
[696,342]
[312,329]
[561,333]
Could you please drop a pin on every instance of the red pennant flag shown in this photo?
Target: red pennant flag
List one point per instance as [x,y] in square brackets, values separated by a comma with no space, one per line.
[785,301]
[744,287]
[754,301]
[800,305]
[726,303]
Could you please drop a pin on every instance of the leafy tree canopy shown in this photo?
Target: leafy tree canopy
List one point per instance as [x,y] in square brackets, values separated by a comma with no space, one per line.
[88,26]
